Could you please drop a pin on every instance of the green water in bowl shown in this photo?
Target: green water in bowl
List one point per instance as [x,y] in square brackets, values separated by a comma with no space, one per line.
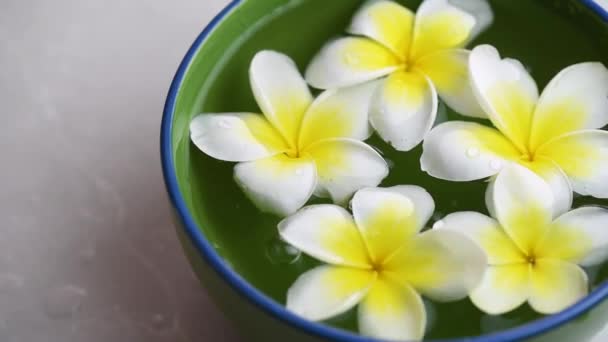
[546,35]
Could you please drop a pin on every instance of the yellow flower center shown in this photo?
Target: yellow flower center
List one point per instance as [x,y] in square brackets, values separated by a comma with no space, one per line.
[527,156]
[377,267]
[531,259]
[406,66]
[293,153]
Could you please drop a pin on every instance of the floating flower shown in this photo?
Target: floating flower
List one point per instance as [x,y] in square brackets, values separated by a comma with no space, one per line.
[555,135]
[299,146]
[531,256]
[421,54]
[379,260]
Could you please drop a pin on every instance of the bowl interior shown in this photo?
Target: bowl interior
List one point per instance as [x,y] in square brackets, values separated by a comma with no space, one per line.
[546,35]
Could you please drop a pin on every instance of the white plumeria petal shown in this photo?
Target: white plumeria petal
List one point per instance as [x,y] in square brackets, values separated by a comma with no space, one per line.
[338,113]
[502,289]
[278,185]
[583,155]
[465,151]
[328,233]
[489,197]
[345,166]
[557,179]
[555,285]
[505,91]
[579,236]
[280,91]
[327,291]
[523,204]
[439,26]
[576,99]
[480,10]
[392,312]
[235,136]
[441,264]
[487,233]
[554,176]
[389,217]
[404,109]
[350,61]
[449,72]
[386,22]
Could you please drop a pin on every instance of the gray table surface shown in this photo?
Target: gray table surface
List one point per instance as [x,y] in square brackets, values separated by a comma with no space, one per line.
[87,248]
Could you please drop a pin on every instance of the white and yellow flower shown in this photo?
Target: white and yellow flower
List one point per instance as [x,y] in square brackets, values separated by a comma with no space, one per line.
[556,135]
[421,54]
[300,146]
[531,256]
[379,261]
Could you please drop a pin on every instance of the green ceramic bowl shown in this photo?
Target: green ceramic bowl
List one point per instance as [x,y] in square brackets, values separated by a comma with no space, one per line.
[234,248]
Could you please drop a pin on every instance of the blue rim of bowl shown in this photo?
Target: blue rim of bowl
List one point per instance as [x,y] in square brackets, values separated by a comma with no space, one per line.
[278,311]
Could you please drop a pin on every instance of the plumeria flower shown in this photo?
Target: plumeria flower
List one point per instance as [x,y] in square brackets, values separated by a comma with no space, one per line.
[300,146]
[556,135]
[531,256]
[417,56]
[380,261]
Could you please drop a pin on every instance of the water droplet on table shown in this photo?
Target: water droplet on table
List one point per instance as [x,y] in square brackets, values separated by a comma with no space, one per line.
[64,302]
[160,323]
[9,281]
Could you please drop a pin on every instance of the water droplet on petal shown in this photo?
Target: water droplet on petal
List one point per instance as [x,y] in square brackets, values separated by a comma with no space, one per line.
[496,165]
[223,123]
[473,152]
[281,253]
[439,224]
[64,302]
[351,59]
